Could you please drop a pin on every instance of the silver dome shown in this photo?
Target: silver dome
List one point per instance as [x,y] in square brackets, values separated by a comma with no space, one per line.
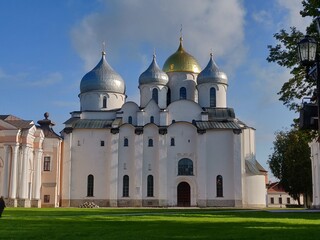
[102,78]
[154,75]
[211,73]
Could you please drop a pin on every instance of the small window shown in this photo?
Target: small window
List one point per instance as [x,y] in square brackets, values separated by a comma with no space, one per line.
[219,184]
[104,102]
[183,93]
[288,200]
[46,198]
[150,186]
[185,167]
[102,143]
[155,95]
[46,164]
[90,184]
[130,119]
[152,119]
[280,200]
[213,101]
[272,200]
[125,188]
[150,142]
[172,142]
[125,142]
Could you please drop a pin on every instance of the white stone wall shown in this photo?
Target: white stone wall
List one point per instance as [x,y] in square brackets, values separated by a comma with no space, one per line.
[204,94]
[183,79]
[146,94]
[93,101]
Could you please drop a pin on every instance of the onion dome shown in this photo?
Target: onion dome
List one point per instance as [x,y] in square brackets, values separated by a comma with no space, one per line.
[181,61]
[154,74]
[211,74]
[102,78]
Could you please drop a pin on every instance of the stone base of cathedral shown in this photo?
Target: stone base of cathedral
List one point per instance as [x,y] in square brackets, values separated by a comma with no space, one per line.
[24,203]
[11,202]
[36,203]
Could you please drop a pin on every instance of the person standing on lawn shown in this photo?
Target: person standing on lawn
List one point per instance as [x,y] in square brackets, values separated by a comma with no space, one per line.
[2,205]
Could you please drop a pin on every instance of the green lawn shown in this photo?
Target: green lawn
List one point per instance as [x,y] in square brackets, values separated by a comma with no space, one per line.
[121,223]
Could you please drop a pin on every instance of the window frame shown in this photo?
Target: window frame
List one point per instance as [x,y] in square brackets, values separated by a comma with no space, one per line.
[185,167]
[150,186]
[47,163]
[90,185]
[125,186]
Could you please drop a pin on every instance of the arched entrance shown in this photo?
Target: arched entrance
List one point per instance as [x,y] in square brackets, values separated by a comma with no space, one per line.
[183,191]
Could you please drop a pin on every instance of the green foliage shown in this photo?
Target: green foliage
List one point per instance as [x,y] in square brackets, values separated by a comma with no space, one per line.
[290,162]
[284,53]
[71,223]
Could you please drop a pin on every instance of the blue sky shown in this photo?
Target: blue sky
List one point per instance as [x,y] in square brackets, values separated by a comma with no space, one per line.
[46,47]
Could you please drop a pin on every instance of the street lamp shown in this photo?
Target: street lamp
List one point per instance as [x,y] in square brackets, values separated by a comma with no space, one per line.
[307,51]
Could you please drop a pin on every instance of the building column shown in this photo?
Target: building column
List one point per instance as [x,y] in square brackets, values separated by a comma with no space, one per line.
[37,174]
[114,168]
[6,169]
[23,186]
[138,166]
[14,171]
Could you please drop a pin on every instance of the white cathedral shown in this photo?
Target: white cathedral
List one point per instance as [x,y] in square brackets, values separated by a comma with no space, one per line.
[182,146]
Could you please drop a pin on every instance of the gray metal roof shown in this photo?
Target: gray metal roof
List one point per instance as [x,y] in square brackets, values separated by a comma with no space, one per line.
[92,123]
[212,74]
[102,78]
[154,75]
[254,167]
[217,125]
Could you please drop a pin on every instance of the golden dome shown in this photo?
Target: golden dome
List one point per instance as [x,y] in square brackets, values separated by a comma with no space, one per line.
[181,61]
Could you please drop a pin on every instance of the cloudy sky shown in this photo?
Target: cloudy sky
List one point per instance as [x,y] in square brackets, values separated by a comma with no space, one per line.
[46,47]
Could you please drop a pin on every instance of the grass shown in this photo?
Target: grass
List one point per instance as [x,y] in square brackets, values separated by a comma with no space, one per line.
[122,223]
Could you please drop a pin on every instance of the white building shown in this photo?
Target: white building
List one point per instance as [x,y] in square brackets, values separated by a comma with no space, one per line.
[30,158]
[182,146]
[315,167]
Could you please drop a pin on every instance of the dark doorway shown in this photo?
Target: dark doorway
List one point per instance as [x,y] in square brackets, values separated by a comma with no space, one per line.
[183,194]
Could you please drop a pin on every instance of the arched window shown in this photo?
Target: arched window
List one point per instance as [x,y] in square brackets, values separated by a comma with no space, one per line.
[152,119]
[185,167]
[90,183]
[219,183]
[104,102]
[125,189]
[125,142]
[150,186]
[172,142]
[155,95]
[183,93]
[130,119]
[150,142]
[213,99]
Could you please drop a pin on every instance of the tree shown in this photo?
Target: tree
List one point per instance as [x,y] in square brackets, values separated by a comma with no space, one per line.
[290,162]
[284,53]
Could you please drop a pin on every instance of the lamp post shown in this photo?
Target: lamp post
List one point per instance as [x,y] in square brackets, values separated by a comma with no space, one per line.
[309,57]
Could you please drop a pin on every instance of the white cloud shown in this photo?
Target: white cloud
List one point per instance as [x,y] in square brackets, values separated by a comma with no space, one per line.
[263,17]
[293,18]
[127,26]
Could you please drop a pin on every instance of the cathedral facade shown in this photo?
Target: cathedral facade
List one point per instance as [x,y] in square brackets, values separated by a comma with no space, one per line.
[181,146]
